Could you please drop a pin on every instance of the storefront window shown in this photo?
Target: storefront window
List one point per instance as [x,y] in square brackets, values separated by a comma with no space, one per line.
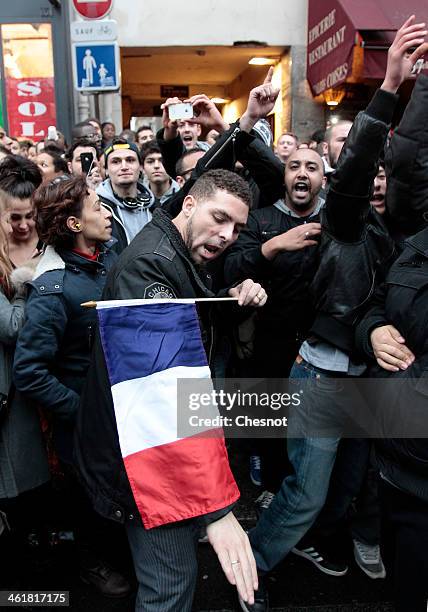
[29,78]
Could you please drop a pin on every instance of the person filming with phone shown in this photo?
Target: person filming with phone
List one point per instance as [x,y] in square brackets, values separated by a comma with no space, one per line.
[82,160]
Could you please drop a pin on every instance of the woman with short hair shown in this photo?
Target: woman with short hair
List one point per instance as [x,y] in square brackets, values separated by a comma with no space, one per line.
[53,350]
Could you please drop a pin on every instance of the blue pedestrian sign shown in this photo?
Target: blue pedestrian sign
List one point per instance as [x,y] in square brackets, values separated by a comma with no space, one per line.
[96,66]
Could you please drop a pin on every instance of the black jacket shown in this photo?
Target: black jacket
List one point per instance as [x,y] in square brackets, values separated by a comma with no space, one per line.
[355,249]
[286,278]
[407,162]
[402,401]
[156,264]
[53,349]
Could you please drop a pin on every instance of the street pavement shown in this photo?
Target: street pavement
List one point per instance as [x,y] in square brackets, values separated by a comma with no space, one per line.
[295,586]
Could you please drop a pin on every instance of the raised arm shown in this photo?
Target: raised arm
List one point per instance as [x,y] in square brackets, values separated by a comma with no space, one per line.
[407,164]
[348,200]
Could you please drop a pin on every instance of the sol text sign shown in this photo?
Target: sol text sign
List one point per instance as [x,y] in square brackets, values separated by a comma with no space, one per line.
[30,106]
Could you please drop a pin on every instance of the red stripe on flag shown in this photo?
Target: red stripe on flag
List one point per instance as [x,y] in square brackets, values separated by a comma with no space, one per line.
[181,480]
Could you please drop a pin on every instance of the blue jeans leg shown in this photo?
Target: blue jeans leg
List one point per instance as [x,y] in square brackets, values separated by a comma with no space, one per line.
[303,493]
[297,503]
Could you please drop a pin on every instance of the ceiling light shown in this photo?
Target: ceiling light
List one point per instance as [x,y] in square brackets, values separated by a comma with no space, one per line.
[262,61]
[334,96]
[219,100]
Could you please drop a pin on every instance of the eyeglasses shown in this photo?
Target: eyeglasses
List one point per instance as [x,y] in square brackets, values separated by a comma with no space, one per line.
[188,172]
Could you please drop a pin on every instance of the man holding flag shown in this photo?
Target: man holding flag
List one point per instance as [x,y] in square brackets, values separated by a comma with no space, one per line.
[132,463]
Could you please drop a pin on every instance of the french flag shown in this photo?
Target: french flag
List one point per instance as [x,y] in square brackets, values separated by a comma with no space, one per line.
[148,345]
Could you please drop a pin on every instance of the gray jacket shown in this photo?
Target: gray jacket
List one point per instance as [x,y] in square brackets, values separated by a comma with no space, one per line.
[23,459]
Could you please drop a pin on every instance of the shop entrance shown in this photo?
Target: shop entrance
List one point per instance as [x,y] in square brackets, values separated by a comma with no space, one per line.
[35,83]
[151,74]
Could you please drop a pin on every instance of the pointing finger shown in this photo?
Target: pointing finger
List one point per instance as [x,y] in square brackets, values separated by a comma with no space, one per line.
[268,78]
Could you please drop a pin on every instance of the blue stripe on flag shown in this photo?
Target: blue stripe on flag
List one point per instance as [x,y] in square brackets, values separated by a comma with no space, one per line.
[141,340]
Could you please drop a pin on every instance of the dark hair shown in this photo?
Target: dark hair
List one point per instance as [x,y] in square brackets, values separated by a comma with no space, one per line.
[54,146]
[4,150]
[81,143]
[143,128]
[19,177]
[54,202]
[95,120]
[25,144]
[55,153]
[179,164]
[318,136]
[223,180]
[103,125]
[76,132]
[148,148]
[82,124]
[128,135]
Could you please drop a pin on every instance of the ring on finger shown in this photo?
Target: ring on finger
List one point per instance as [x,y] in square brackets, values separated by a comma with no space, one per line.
[235,562]
[306,234]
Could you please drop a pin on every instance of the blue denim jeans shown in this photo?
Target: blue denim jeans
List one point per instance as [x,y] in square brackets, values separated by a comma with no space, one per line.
[303,493]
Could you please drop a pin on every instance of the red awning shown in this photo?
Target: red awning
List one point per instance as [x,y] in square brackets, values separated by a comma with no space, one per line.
[336,26]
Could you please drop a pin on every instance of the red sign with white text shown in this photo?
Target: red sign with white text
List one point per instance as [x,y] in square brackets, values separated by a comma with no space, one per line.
[331,38]
[30,106]
[93,9]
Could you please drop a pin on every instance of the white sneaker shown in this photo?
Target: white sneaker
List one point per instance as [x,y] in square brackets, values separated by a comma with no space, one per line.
[369,560]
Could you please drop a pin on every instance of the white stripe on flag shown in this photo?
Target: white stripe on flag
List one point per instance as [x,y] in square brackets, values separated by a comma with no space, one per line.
[143,301]
[146,408]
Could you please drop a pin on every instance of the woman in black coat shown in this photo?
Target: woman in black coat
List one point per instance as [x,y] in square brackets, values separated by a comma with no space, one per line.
[53,350]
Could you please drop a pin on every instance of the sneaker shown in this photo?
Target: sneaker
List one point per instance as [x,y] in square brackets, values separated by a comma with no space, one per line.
[263,502]
[261,600]
[369,560]
[321,559]
[255,471]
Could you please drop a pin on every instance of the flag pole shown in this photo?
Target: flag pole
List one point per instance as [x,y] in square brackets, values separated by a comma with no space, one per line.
[94,304]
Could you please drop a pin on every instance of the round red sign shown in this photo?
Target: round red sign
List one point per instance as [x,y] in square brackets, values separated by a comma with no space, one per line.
[93,9]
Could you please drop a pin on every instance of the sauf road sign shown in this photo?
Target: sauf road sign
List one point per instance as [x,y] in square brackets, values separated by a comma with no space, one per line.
[96,66]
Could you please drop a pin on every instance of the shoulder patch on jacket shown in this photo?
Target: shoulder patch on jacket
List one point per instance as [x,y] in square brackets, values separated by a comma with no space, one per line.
[159,291]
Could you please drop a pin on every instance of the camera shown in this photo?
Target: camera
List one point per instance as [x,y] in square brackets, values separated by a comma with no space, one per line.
[184,111]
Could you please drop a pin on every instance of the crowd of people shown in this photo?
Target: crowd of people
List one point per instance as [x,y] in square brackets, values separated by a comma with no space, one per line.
[323,242]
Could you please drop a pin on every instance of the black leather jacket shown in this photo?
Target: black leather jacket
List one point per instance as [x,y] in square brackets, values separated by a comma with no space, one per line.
[402,401]
[406,164]
[355,249]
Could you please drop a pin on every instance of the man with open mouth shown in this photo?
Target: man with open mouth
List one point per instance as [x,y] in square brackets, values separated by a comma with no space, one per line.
[379,191]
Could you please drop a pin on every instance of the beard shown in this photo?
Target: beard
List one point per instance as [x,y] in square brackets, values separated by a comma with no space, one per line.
[302,206]
[188,241]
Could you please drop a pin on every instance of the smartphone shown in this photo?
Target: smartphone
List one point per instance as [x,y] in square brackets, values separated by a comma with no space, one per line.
[183,111]
[87,161]
[52,133]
